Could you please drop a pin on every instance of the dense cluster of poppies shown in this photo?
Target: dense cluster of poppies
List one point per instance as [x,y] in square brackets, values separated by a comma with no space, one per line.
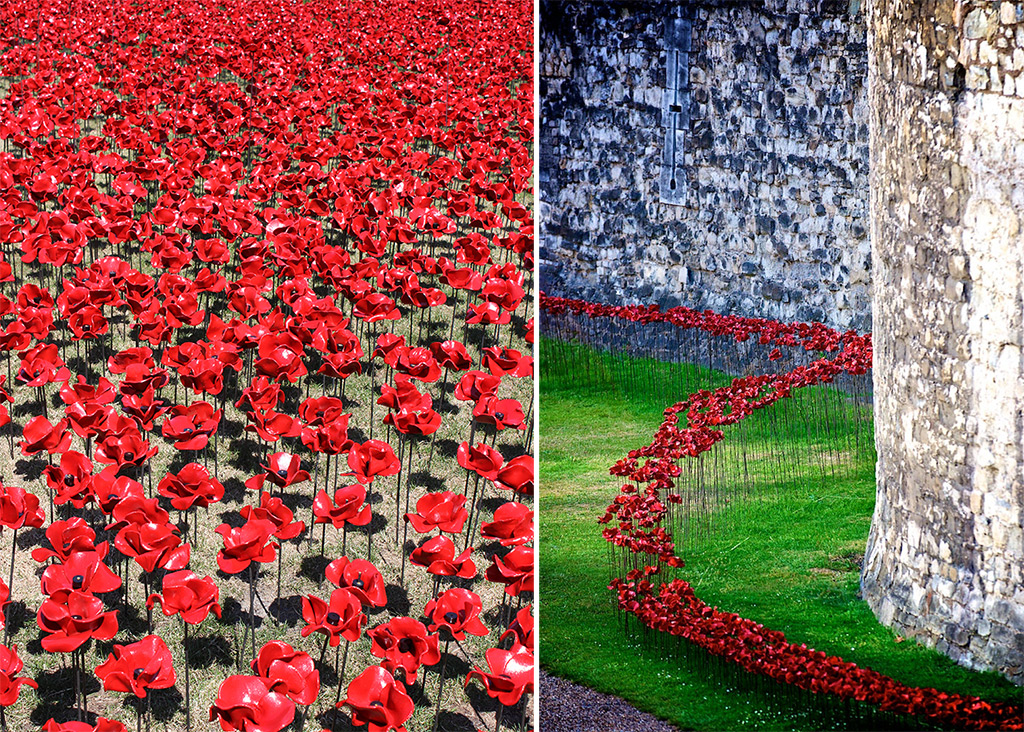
[271,260]
[635,519]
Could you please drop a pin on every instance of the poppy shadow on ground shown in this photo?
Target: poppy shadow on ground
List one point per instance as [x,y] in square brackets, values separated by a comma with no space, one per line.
[336,720]
[356,434]
[313,566]
[492,549]
[234,490]
[445,406]
[31,538]
[483,703]
[424,479]
[161,703]
[446,448]
[398,600]
[512,451]
[17,613]
[232,429]
[493,503]
[455,722]
[287,610]
[30,468]
[246,455]
[56,693]
[232,518]
[207,650]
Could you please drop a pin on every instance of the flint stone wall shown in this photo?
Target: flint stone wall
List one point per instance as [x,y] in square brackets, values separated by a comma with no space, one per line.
[945,558]
[770,218]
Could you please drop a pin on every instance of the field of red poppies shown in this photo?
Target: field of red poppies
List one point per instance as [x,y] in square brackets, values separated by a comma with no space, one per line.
[696,466]
[266,417]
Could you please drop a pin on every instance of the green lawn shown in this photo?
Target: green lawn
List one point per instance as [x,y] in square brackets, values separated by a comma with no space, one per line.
[787,557]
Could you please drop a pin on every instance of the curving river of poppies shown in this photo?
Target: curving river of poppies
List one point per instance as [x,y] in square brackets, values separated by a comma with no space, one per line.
[637,518]
[265,276]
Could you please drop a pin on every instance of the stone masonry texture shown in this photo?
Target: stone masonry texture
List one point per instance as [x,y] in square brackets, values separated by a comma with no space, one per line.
[945,557]
[771,214]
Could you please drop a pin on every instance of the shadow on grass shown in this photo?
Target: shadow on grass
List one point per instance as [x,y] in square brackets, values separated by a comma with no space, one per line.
[56,693]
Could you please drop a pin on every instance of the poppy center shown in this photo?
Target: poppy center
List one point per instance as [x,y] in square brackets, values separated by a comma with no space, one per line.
[376,703]
[406,645]
[129,456]
[450,617]
[77,581]
[76,617]
[69,480]
[499,415]
[358,583]
[137,673]
[283,472]
[333,618]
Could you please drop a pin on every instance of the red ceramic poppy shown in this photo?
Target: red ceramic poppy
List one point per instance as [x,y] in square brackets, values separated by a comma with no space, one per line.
[83,571]
[375,307]
[72,480]
[378,701]
[371,459]
[404,643]
[389,347]
[451,355]
[488,313]
[246,704]
[10,682]
[66,537]
[248,543]
[282,469]
[512,525]
[153,545]
[190,427]
[438,556]
[516,476]
[360,577]
[191,486]
[341,618]
[40,435]
[19,508]
[501,413]
[444,511]
[515,570]
[511,674]
[476,384]
[348,507]
[138,667]
[288,672]
[111,490]
[119,362]
[42,365]
[458,610]
[81,391]
[69,624]
[280,357]
[272,509]
[482,459]
[418,363]
[262,393]
[403,396]
[126,449]
[502,361]
[521,628]
[187,594]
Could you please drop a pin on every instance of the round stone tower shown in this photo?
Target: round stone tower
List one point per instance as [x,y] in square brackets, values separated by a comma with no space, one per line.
[945,557]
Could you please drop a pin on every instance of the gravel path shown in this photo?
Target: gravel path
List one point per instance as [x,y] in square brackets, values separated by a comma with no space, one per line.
[569,707]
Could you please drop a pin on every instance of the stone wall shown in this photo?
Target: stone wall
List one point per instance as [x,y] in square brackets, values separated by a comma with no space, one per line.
[770,154]
[945,559]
